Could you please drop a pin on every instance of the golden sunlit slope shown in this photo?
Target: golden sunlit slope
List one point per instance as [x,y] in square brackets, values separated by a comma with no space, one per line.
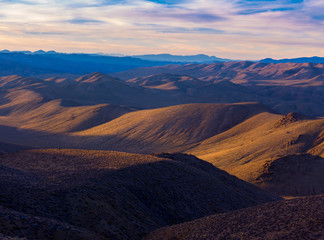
[113,195]
[167,129]
[253,149]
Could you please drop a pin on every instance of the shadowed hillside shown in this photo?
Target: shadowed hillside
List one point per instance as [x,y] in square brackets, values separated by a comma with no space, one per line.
[7,147]
[113,195]
[294,219]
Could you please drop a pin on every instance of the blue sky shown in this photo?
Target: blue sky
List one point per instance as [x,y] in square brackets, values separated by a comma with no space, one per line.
[237,29]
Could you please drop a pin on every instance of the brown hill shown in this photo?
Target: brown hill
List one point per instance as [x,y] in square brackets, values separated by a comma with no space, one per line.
[173,128]
[52,107]
[243,139]
[29,110]
[223,83]
[165,81]
[285,87]
[101,88]
[112,195]
[186,89]
[240,72]
[293,219]
[251,149]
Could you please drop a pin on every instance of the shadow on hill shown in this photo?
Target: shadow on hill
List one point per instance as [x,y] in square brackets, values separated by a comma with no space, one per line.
[300,218]
[293,175]
[122,203]
[14,139]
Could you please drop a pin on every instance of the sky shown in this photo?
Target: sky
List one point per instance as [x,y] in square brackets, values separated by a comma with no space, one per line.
[236,29]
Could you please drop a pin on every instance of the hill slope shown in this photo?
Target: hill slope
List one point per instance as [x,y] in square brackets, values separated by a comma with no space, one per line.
[239,72]
[294,219]
[116,195]
[38,105]
[167,129]
[285,87]
[252,149]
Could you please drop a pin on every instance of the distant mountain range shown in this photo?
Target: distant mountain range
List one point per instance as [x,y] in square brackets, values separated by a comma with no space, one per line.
[295,60]
[28,63]
[199,58]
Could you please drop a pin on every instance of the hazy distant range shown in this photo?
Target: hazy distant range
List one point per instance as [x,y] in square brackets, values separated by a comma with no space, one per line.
[26,63]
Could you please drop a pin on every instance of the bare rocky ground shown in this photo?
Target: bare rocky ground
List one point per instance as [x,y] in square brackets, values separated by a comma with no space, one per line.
[82,194]
[301,218]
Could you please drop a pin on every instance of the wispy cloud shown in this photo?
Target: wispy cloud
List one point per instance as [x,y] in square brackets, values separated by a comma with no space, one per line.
[84,21]
[241,29]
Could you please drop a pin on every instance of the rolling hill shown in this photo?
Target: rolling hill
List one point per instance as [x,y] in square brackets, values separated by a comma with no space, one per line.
[41,105]
[246,139]
[57,193]
[195,121]
[285,87]
[174,128]
[166,81]
[253,150]
[239,72]
[99,112]
[294,219]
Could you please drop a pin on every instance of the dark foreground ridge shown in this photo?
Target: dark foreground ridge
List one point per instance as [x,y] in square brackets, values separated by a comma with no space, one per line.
[301,218]
[81,194]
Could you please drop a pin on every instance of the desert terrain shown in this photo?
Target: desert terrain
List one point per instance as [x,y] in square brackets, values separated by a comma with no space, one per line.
[119,156]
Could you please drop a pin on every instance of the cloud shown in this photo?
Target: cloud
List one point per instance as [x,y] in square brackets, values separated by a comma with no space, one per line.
[84,21]
[242,29]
